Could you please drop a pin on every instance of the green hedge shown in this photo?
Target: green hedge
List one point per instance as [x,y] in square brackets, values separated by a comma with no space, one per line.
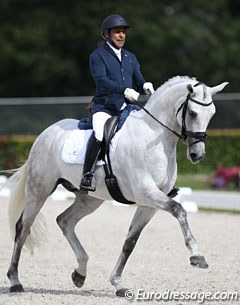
[14,150]
[222,149]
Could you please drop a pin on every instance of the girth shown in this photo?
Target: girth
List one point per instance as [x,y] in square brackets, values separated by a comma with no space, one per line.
[110,179]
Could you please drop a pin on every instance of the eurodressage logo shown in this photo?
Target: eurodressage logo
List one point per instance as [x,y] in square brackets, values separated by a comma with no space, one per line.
[168,295]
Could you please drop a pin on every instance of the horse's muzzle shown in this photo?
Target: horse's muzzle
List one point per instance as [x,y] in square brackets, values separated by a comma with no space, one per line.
[195,158]
[195,150]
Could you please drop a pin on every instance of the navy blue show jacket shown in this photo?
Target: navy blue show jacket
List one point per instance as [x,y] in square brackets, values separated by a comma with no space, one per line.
[112,77]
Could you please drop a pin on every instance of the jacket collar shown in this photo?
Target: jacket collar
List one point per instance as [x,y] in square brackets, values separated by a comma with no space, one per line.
[116,51]
[108,48]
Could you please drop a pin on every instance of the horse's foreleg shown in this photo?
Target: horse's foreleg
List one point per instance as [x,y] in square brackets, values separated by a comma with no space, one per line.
[82,206]
[178,211]
[141,218]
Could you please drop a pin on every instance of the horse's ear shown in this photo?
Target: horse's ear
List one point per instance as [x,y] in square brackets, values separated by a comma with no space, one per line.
[218,88]
[190,88]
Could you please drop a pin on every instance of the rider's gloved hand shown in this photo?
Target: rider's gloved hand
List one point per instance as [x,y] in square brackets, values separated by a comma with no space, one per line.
[148,88]
[131,95]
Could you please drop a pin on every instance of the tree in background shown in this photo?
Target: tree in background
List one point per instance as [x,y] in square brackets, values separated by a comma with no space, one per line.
[45,45]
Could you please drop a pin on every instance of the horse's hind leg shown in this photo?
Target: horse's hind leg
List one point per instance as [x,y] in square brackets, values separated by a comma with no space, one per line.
[82,206]
[31,209]
[28,196]
[141,217]
[178,211]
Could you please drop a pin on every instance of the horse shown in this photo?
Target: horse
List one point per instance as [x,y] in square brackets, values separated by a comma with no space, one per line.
[144,162]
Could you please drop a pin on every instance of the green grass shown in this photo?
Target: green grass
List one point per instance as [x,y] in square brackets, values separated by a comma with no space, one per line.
[199,182]
[231,211]
[195,181]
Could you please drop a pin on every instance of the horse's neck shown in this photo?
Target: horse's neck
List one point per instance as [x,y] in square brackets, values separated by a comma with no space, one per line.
[163,106]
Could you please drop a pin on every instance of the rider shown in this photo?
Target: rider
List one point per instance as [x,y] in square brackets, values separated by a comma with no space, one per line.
[113,69]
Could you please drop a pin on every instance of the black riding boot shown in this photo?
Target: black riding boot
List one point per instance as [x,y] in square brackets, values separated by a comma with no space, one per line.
[92,151]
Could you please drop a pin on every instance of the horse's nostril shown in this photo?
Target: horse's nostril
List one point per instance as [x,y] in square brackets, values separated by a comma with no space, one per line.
[196,157]
[193,156]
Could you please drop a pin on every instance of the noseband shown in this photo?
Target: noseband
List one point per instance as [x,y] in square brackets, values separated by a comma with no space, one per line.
[199,136]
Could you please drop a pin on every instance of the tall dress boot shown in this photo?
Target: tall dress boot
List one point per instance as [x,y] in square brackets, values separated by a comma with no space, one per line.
[92,152]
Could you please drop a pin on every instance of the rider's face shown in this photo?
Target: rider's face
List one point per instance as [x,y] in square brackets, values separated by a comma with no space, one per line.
[118,36]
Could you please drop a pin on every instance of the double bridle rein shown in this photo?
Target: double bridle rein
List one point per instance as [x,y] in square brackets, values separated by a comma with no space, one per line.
[199,136]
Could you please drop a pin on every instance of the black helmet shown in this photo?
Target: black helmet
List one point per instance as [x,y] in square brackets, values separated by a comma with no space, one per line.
[113,21]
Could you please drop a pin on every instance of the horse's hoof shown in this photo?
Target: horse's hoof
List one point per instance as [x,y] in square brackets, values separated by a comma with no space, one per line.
[17,288]
[78,279]
[125,293]
[198,261]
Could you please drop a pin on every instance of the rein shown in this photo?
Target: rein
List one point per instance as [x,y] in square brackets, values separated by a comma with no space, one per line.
[152,116]
[199,136]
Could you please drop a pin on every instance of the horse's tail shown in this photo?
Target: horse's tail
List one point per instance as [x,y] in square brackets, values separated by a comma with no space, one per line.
[16,184]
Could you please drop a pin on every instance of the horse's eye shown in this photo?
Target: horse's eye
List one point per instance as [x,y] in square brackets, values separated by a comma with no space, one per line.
[192,114]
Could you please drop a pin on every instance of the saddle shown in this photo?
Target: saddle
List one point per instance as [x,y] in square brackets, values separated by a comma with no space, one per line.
[112,125]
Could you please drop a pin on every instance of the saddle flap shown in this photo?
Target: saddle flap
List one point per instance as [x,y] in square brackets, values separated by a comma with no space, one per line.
[110,128]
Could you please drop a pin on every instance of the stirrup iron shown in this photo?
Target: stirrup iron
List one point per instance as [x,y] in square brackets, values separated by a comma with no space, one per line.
[87,182]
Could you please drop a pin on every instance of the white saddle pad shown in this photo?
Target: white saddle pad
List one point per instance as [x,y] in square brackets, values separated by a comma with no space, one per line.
[74,147]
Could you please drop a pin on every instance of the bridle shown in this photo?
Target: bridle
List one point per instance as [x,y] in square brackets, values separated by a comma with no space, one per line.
[199,136]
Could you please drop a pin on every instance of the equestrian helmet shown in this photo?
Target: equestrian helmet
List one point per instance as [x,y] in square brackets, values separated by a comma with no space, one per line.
[113,21]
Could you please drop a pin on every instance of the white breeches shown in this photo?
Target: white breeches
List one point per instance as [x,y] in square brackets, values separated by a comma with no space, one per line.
[98,121]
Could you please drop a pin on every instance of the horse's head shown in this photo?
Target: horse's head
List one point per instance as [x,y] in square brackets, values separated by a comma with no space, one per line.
[194,115]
